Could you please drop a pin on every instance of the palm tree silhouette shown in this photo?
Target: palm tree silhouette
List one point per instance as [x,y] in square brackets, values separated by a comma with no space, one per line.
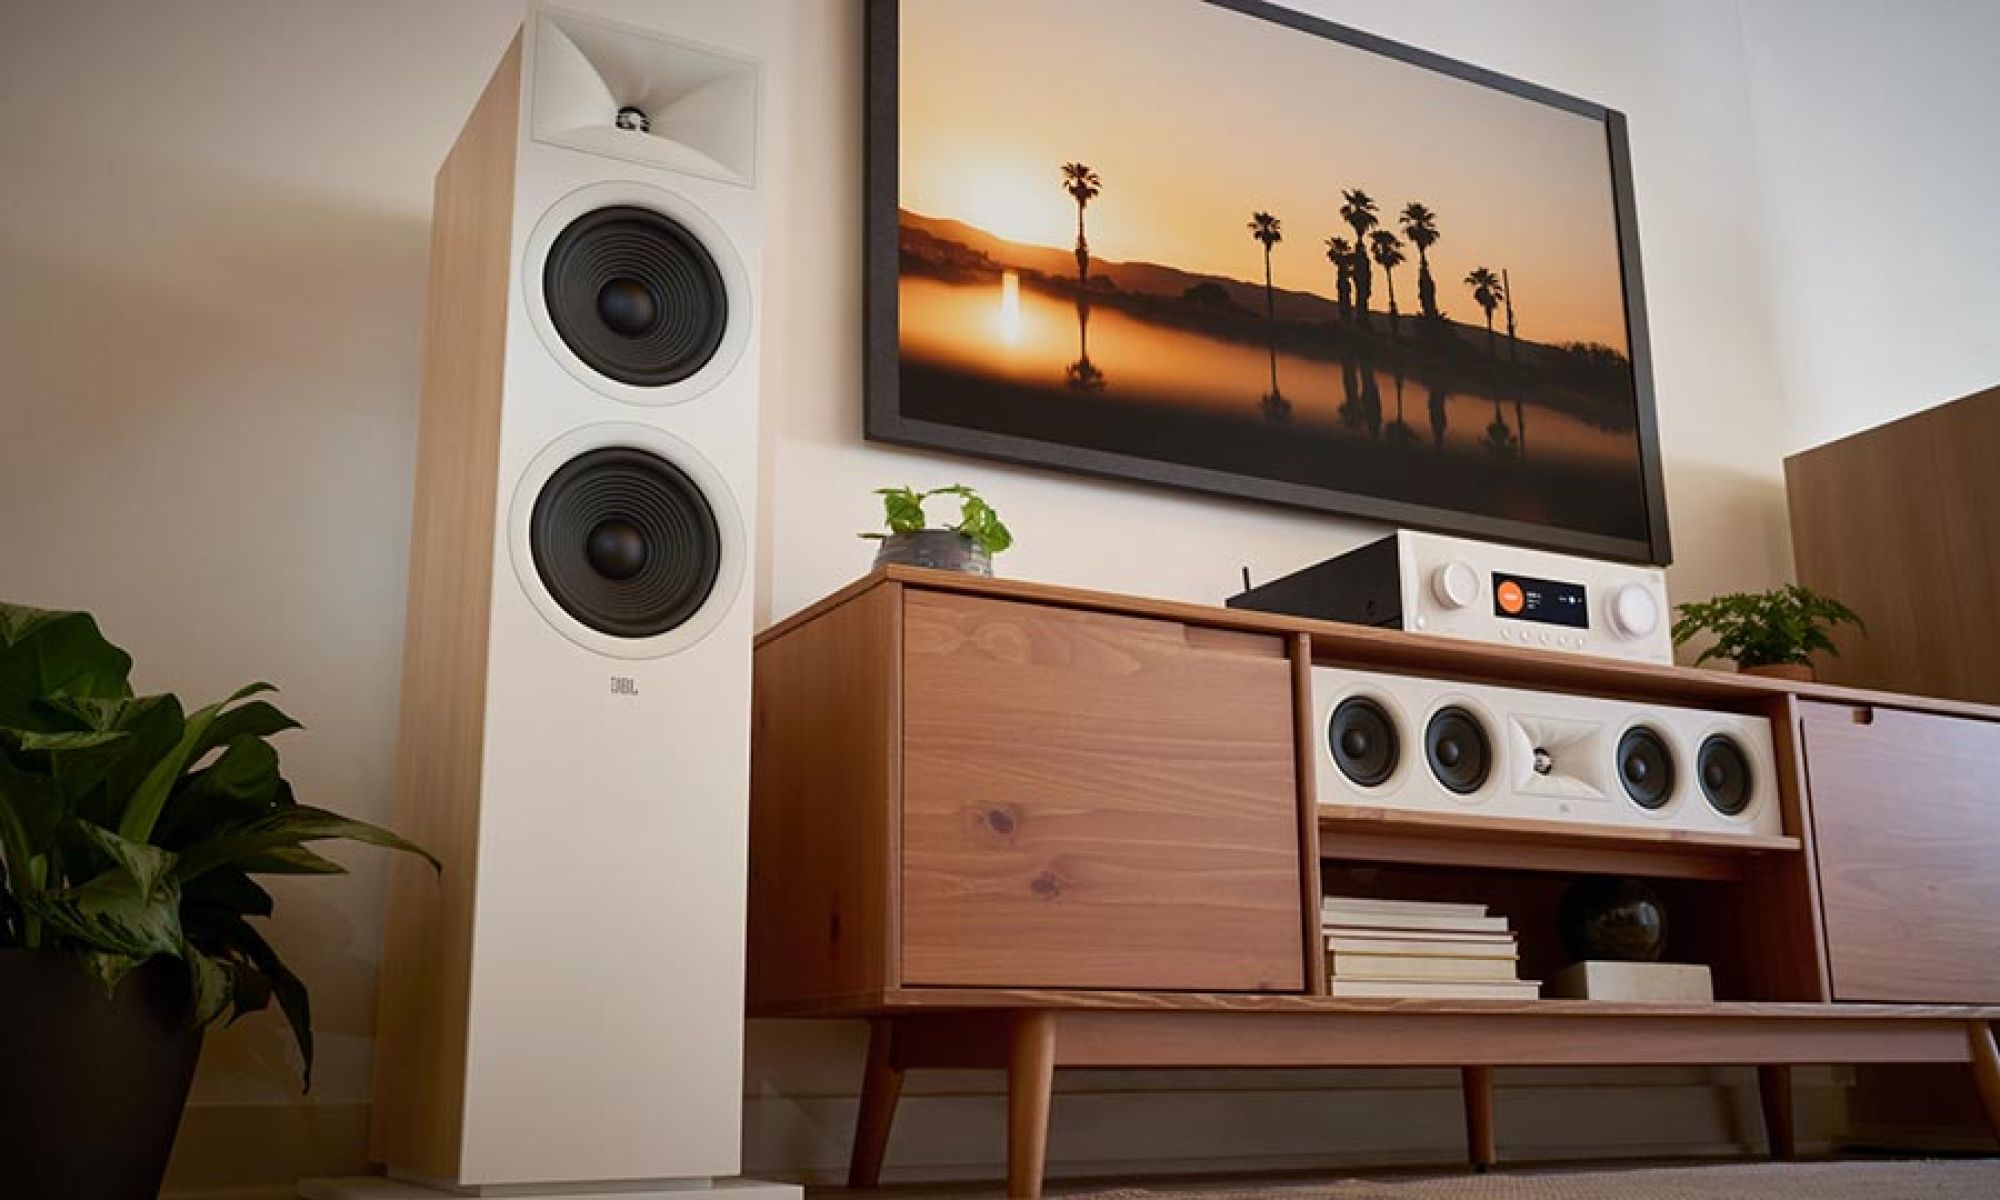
[1486,292]
[1359,212]
[1507,294]
[1341,254]
[1420,226]
[1387,250]
[1437,416]
[1399,430]
[1082,185]
[1499,440]
[1268,230]
[1083,375]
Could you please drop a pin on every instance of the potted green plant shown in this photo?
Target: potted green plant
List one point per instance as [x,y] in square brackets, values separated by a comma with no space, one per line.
[132,833]
[1766,633]
[969,545]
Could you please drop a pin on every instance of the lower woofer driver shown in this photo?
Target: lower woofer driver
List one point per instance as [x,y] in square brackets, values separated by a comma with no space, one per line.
[1457,750]
[625,542]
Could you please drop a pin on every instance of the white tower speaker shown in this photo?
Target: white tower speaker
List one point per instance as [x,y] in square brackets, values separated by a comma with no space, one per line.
[562,1013]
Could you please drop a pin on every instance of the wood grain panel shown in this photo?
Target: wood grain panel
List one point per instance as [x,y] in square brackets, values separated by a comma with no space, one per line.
[427,948]
[1306,742]
[1361,647]
[825,758]
[1093,800]
[1907,824]
[1899,522]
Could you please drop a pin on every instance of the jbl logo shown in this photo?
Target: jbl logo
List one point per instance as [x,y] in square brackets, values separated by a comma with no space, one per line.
[624,685]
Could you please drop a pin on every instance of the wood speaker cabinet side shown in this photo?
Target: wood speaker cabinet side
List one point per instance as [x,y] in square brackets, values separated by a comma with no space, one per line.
[1096,800]
[825,775]
[421,1048]
[1906,816]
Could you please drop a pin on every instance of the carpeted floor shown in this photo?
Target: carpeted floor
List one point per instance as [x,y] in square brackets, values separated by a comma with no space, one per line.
[1951,1179]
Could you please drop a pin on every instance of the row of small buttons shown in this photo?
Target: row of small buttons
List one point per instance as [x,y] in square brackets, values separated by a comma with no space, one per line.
[1529,638]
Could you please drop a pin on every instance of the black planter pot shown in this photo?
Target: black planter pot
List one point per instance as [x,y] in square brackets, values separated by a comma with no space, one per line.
[91,1086]
[939,549]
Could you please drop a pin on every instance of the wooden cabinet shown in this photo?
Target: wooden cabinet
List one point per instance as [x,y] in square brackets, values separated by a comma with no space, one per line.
[1096,800]
[1906,814]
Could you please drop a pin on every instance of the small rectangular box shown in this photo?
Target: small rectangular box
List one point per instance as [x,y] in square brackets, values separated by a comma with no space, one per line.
[1634,983]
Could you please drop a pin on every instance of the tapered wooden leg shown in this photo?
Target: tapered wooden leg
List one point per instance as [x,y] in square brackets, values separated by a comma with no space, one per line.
[1477,1084]
[1031,1077]
[1986,1069]
[1774,1087]
[881,1087]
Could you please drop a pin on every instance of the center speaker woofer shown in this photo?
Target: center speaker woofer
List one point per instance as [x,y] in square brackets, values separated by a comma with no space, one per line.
[1362,738]
[1456,747]
[1646,767]
[1724,771]
[562,1012]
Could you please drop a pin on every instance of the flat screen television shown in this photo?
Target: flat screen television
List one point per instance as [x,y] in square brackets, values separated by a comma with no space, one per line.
[1221,245]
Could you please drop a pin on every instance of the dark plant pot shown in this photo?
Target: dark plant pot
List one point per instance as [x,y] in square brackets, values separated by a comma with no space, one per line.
[1798,672]
[939,549]
[91,1086]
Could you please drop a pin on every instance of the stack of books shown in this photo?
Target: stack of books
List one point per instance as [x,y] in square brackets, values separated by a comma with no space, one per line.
[1415,948]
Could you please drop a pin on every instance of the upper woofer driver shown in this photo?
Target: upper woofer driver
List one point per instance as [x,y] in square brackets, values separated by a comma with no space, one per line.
[625,542]
[1456,748]
[1362,738]
[635,295]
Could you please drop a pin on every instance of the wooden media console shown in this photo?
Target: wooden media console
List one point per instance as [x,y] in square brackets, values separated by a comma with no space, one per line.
[1029,828]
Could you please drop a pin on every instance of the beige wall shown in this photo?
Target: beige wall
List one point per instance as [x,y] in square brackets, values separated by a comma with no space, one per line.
[212,252]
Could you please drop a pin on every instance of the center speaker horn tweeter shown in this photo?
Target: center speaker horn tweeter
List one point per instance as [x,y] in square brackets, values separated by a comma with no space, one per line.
[1484,752]
[562,1011]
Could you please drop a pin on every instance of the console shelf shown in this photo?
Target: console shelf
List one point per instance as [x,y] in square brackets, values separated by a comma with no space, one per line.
[1354,833]
[1029,827]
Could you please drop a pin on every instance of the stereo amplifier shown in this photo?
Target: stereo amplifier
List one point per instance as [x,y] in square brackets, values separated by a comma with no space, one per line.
[1434,584]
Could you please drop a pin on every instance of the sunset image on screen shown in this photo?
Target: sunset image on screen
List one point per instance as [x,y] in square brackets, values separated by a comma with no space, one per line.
[1168,230]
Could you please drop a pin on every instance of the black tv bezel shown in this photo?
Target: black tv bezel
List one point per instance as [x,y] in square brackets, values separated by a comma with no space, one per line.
[885,422]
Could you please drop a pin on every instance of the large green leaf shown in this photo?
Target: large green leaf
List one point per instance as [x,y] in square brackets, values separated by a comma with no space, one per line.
[142,811]
[146,866]
[241,784]
[110,913]
[238,935]
[289,860]
[224,890]
[285,829]
[44,653]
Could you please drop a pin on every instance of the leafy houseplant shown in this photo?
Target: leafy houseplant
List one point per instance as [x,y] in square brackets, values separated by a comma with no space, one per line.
[966,546]
[131,833]
[1769,633]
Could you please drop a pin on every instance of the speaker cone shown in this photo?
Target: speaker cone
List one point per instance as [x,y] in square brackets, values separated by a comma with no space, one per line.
[625,542]
[1724,772]
[1646,767]
[1455,746]
[1362,736]
[635,295]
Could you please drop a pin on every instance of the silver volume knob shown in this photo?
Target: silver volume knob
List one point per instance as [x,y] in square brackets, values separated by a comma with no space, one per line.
[1455,585]
[1634,612]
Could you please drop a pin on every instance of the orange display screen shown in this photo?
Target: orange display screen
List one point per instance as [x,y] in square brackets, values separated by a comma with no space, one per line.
[1547,601]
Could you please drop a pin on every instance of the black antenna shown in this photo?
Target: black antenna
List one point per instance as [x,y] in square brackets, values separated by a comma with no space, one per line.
[1246,579]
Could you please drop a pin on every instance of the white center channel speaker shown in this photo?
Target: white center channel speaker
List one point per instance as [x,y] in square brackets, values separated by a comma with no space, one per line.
[1435,745]
[562,1012]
